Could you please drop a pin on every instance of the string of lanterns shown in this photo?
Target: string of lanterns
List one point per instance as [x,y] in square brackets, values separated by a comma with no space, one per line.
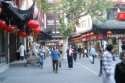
[32,24]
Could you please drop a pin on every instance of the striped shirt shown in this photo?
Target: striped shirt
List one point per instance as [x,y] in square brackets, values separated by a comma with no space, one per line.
[107,63]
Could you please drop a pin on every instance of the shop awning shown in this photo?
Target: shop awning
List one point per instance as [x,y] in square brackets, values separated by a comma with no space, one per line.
[112,25]
[15,16]
[44,36]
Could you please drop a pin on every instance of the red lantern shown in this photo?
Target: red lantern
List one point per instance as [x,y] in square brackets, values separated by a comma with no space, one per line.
[121,16]
[2,24]
[37,30]
[22,34]
[33,24]
[10,28]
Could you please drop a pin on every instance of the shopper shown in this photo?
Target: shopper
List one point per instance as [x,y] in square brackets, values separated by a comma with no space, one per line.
[108,65]
[22,51]
[100,57]
[92,53]
[55,59]
[70,57]
[120,68]
[42,55]
[85,52]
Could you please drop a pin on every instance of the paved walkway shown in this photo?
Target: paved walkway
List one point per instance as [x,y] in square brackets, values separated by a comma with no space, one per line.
[83,72]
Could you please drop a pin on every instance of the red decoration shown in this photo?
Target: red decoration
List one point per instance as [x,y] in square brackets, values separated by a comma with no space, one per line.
[37,30]
[10,28]
[2,24]
[33,24]
[99,37]
[121,16]
[22,33]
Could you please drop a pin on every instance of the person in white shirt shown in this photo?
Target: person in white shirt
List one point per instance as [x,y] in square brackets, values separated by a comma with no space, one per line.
[93,53]
[22,51]
[108,65]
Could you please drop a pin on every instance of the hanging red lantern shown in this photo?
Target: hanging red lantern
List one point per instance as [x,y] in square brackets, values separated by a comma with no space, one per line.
[10,28]
[33,24]
[22,33]
[2,24]
[37,30]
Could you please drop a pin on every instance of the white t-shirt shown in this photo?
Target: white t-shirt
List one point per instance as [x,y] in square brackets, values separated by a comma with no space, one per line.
[21,50]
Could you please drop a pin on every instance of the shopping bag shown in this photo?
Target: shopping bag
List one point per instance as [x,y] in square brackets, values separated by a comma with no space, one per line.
[90,58]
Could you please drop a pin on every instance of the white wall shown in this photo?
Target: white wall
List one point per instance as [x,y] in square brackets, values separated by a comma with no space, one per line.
[26,4]
[85,24]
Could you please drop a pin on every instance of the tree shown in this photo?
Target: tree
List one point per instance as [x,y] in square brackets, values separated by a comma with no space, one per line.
[77,8]
[43,5]
[74,9]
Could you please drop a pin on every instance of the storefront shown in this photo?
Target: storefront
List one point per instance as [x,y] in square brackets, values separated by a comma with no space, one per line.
[15,20]
[3,52]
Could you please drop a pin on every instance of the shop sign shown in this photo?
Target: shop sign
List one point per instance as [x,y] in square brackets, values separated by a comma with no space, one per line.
[99,37]
[121,16]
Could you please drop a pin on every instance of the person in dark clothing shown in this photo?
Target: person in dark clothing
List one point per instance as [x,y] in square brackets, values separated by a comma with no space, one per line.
[100,68]
[70,57]
[80,52]
[120,68]
[74,54]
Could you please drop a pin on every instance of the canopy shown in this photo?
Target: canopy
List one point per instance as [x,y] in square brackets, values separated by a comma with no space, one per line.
[113,25]
[15,16]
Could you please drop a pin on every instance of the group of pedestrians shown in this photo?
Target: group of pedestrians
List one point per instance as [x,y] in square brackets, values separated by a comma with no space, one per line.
[110,72]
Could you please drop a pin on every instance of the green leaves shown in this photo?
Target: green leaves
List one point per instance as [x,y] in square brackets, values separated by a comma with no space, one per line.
[66,29]
[73,10]
[43,5]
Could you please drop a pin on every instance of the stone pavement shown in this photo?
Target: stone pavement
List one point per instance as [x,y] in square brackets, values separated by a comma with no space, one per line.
[83,72]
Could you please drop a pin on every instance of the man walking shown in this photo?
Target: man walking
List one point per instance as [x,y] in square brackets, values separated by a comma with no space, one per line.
[55,59]
[108,65]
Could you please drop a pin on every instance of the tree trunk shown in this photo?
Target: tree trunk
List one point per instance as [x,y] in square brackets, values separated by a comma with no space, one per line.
[65,47]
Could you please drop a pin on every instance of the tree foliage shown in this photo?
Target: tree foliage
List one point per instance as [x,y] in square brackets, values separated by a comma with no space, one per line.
[43,5]
[75,9]
[66,29]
